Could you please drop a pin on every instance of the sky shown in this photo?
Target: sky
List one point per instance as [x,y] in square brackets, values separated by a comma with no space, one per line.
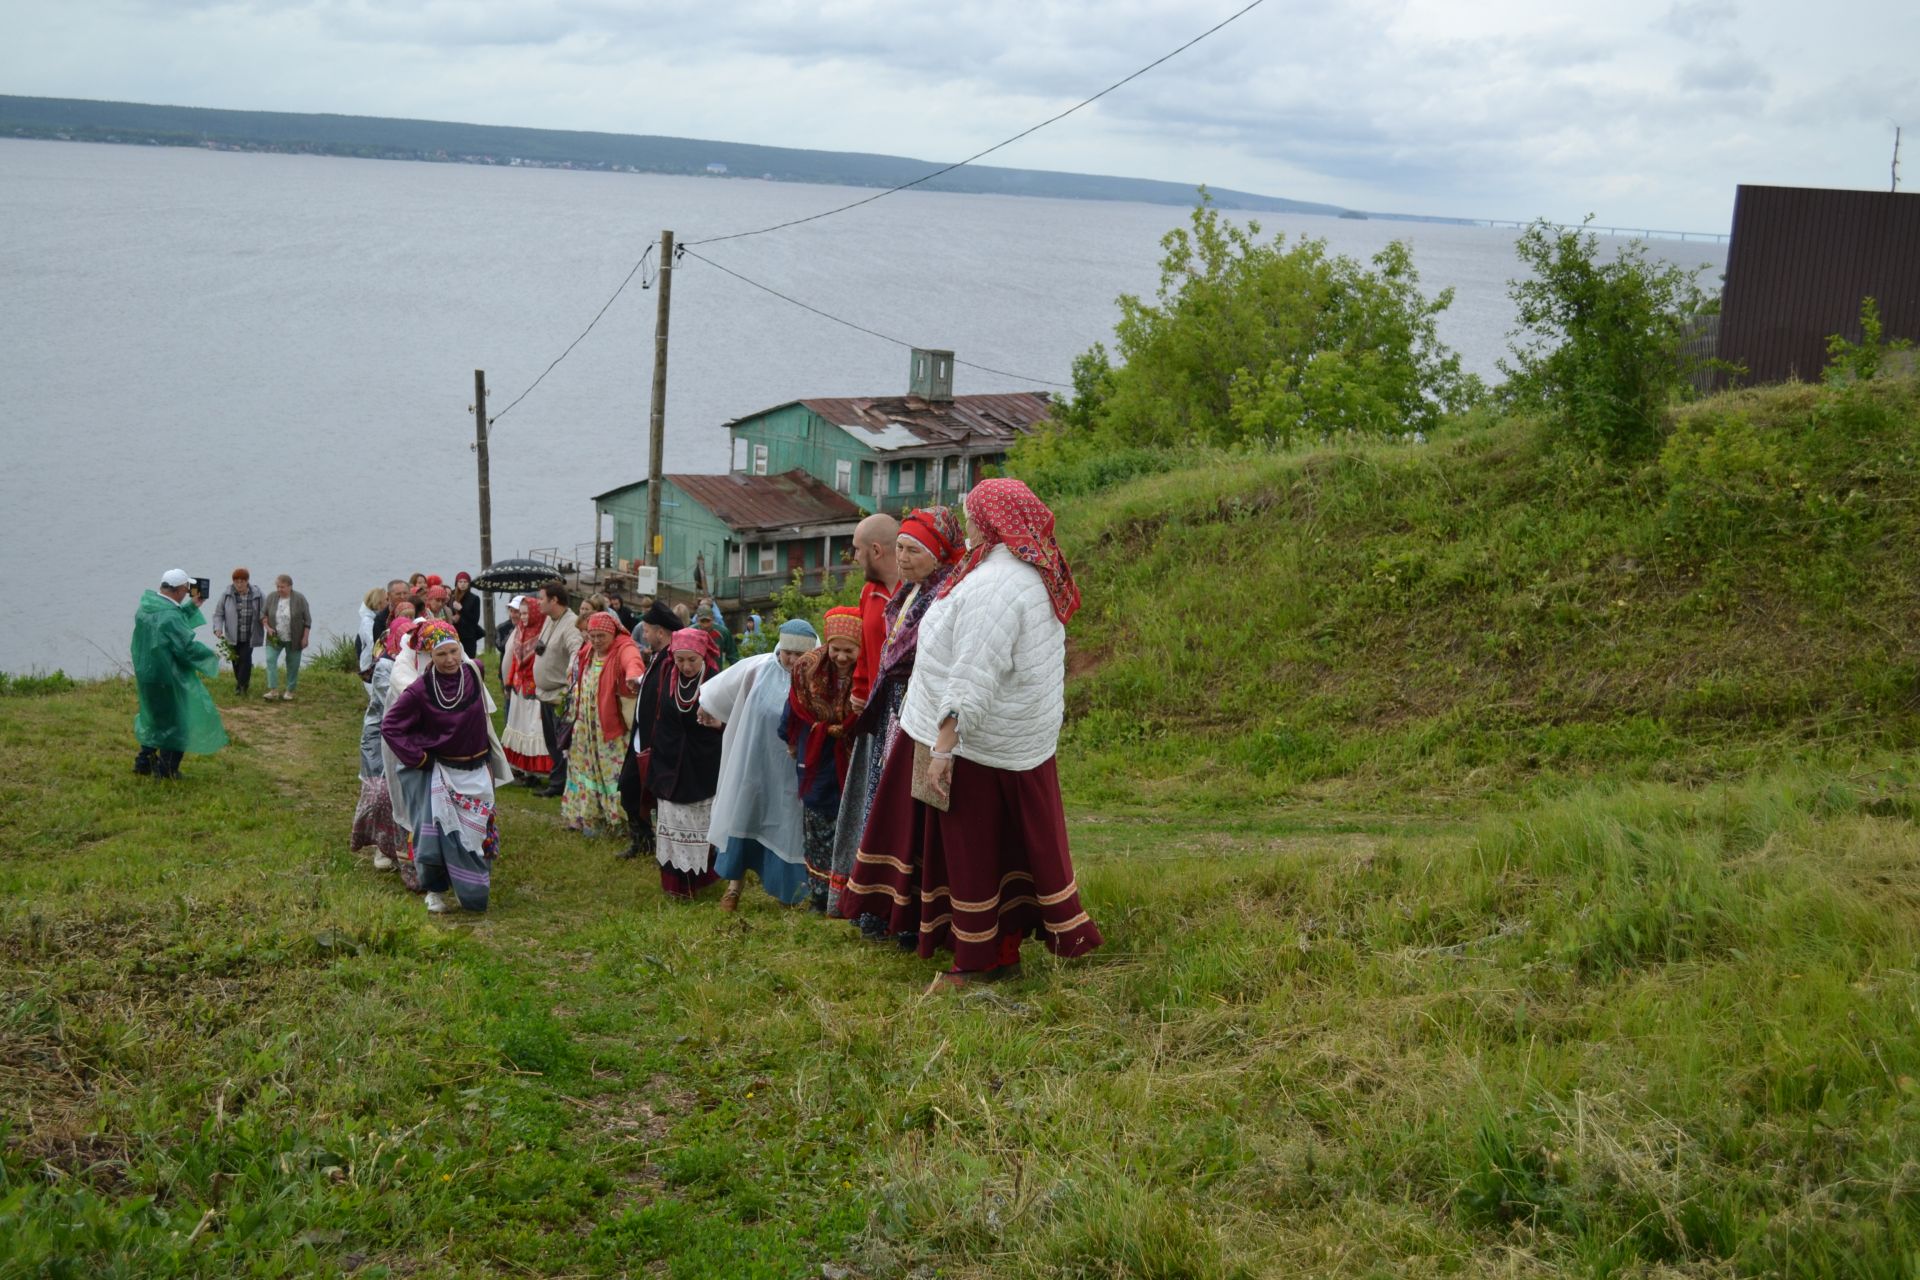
[1644,113]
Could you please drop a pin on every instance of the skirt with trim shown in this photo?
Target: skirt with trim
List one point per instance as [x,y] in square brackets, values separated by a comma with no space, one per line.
[993,867]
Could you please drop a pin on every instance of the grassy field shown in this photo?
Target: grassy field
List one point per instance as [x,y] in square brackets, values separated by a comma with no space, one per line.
[1378,625]
[1634,1031]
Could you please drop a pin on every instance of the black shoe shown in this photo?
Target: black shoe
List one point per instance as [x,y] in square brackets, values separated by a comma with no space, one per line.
[556,785]
[872,927]
[817,904]
[143,763]
[168,765]
[906,941]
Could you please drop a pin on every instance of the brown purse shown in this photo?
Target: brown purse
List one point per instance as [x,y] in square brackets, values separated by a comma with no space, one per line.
[923,788]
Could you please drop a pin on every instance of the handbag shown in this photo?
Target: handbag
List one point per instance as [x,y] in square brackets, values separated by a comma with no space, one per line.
[923,787]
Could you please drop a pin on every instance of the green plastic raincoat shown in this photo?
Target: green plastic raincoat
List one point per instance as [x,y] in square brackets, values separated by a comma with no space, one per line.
[176,711]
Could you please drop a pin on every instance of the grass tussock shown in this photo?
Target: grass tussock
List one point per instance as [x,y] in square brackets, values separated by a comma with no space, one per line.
[1430,624]
[1633,1031]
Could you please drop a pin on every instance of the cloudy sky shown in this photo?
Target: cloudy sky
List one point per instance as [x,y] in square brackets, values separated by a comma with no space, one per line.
[1644,112]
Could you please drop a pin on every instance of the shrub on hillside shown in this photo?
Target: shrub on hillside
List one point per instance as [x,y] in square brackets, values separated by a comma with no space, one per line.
[1256,342]
[1600,345]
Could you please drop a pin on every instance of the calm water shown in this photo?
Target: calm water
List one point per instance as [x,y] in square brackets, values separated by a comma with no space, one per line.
[213,359]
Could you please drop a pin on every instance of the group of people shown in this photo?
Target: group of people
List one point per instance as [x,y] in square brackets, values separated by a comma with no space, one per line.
[894,769]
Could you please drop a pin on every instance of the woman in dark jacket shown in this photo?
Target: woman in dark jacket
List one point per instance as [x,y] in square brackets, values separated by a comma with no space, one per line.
[289,628]
[683,769]
[466,614]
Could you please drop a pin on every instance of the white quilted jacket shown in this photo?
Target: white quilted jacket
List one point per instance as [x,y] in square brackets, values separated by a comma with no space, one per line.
[993,654]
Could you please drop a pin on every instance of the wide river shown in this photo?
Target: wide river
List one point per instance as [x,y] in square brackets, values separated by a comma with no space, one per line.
[212,359]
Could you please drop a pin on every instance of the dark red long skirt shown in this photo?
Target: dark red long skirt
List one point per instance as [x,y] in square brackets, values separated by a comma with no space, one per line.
[992,869]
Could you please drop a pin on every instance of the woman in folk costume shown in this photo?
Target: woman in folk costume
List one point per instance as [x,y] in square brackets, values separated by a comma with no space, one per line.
[603,703]
[983,822]
[373,822]
[523,739]
[656,629]
[683,765]
[757,823]
[441,738]
[929,547]
[818,726]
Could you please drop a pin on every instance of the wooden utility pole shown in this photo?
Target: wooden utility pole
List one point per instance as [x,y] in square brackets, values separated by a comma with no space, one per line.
[657,415]
[486,487]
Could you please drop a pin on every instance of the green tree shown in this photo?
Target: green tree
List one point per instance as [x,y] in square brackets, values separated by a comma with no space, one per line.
[1600,344]
[1861,361]
[1250,341]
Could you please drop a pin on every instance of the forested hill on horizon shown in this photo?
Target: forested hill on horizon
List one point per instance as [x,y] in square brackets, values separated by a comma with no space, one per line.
[375,137]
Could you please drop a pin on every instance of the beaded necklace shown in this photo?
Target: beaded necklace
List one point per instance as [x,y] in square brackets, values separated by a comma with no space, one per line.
[459,692]
[682,685]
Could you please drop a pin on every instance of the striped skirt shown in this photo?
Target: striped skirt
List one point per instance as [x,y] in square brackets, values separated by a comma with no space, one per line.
[991,870]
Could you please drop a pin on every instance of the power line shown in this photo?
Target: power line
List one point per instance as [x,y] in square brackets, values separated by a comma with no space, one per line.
[576,342]
[794,222]
[873,333]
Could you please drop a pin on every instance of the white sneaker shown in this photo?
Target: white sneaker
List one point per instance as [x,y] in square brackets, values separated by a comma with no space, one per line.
[381,862]
[437,904]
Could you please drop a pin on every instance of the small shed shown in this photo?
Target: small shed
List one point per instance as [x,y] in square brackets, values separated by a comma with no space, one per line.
[736,537]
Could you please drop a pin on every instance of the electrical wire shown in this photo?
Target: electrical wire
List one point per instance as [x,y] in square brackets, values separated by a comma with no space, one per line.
[680,250]
[576,342]
[794,222]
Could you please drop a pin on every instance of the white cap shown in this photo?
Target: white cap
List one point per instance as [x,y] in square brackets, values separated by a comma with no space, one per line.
[516,602]
[175,578]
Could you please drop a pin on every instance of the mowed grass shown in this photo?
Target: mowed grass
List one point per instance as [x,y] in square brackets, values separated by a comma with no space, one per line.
[1636,1032]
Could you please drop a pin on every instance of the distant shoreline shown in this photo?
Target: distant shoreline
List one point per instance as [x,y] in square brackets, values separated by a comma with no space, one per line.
[439,142]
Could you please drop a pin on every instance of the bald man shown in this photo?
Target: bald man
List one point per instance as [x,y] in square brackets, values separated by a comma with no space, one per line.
[873,551]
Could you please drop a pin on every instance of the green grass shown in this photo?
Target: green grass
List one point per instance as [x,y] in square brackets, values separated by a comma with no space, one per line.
[1430,627]
[1635,1030]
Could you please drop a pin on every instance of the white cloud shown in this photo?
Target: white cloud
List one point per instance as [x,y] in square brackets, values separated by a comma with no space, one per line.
[1649,112]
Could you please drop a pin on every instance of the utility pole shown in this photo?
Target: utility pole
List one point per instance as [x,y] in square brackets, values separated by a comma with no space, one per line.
[657,415]
[486,486]
[1896,159]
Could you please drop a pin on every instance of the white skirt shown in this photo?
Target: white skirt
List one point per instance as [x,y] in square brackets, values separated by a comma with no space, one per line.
[680,837]
[523,734]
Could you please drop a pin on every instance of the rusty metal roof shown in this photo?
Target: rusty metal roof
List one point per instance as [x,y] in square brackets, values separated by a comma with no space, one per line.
[748,503]
[905,422]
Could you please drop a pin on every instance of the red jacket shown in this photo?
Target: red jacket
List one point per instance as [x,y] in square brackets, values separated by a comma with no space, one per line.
[873,636]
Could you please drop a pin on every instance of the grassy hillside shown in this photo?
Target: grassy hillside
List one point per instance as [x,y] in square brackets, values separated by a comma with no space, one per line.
[1392,624]
[1651,1033]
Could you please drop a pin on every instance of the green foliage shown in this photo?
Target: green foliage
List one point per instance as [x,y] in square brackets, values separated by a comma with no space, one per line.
[36,685]
[1250,342]
[337,654]
[1600,345]
[1399,625]
[1862,361]
[792,601]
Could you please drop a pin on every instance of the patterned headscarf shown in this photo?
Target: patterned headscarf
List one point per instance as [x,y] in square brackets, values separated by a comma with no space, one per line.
[1008,514]
[694,640]
[938,530]
[433,633]
[396,632]
[842,623]
[603,622]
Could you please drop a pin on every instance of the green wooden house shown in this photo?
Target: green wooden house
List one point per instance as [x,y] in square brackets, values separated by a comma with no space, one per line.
[738,538]
[805,473]
[891,453]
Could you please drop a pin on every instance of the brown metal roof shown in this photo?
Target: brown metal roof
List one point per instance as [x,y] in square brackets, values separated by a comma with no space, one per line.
[1800,261]
[973,422]
[745,503]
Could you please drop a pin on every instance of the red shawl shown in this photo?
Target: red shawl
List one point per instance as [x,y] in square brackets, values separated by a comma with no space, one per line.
[1007,513]
[622,664]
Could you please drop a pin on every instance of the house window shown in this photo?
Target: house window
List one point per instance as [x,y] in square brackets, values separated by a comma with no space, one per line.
[766,557]
[893,477]
[759,459]
[953,474]
[739,454]
[866,478]
[843,476]
[736,558]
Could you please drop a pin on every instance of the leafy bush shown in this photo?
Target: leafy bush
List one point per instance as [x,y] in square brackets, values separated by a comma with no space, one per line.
[338,654]
[1862,361]
[1257,343]
[37,685]
[1601,345]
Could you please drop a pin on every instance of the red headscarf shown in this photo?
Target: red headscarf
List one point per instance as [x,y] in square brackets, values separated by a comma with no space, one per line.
[939,531]
[527,630]
[1008,514]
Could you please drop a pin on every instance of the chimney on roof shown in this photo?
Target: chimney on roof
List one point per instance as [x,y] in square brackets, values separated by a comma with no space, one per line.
[930,376]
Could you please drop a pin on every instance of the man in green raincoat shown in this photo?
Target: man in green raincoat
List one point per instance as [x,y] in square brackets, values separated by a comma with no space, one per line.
[177,714]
